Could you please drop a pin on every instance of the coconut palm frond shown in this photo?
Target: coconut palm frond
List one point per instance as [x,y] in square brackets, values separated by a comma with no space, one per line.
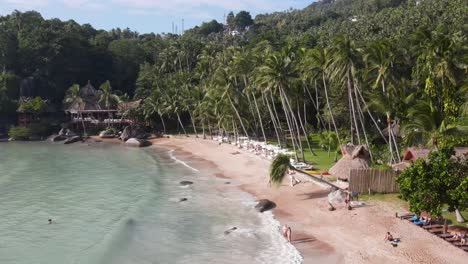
[278,169]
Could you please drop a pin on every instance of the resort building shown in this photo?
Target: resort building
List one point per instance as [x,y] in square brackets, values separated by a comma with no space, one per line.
[415,153]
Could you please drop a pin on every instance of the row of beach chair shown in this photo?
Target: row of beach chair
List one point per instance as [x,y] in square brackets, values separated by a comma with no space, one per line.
[436,229]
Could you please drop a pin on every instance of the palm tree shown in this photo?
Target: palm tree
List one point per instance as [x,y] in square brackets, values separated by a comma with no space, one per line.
[279,75]
[319,61]
[107,98]
[73,96]
[426,124]
[278,169]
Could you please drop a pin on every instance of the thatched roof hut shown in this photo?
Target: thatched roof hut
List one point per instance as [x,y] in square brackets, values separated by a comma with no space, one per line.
[89,103]
[354,157]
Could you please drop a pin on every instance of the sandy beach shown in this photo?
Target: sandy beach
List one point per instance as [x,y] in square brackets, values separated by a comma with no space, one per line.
[321,236]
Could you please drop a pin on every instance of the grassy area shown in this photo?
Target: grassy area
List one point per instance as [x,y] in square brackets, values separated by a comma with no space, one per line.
[391,198]
[452,219]
[321,160]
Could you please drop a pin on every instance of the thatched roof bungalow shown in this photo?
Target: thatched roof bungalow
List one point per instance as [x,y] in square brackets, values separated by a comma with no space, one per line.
[415,153]
[89,102]
[354,157]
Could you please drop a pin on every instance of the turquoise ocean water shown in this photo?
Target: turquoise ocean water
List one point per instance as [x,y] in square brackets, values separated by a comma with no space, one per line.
[112,204]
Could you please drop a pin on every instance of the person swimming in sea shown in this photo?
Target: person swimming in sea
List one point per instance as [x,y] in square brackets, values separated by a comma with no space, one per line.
[50,221]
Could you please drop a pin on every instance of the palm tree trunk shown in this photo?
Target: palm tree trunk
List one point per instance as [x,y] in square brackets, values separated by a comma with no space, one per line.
[353,110]
[83,123]
[182,125]
[274,111]
[329,108]
[371,116]
[315,103]
[396,146]
[289,122]
[272,119]
[390,143]
[238,116]
[294,123]
[259,117]
[305,132]
[193,124]
[163,124]
[203,128]
[252,112]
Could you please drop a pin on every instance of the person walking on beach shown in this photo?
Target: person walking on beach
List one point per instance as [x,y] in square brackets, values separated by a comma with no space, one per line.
[286,232]
[293,179]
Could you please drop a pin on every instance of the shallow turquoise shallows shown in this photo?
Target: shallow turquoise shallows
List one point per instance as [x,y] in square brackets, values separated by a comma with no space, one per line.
[111,204]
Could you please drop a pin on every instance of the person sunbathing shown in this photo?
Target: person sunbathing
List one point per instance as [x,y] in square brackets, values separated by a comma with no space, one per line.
[388,237]
[462,239]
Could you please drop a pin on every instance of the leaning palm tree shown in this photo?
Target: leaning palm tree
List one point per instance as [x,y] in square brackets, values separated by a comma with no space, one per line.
[73,97]
[278,169]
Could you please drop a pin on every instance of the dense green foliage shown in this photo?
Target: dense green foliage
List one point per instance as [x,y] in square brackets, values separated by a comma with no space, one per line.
[429,185]
[35,105]
[19,133]
[345,68]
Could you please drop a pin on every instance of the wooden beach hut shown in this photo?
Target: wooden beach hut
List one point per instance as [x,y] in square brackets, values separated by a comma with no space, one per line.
[354,157]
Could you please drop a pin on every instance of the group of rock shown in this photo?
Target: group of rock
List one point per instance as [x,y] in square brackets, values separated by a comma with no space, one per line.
[67,136]
[131,136]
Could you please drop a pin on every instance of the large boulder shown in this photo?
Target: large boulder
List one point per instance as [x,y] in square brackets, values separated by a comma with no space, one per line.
[135,142]
[132,132]
[264,205]
[106,134]
[71,140]
[185,183]
[55,138]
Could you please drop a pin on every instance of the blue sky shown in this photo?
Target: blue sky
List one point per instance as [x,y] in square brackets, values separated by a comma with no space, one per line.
[146,15]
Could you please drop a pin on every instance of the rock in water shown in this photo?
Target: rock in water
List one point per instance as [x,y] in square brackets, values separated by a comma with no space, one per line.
[106,134]
[134,142]
[55,138]
[71,140]
[227,232]
[264,205]
[185,183]
[130,132]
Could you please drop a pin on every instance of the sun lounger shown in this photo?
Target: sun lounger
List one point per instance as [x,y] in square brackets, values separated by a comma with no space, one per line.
[445,236]
[451,239]
[406,215]
[435,230]
[432,226]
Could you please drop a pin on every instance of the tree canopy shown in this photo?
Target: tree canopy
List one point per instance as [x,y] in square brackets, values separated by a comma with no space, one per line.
[430,185]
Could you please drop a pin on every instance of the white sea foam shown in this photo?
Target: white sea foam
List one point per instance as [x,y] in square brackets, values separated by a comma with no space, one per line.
[173,157]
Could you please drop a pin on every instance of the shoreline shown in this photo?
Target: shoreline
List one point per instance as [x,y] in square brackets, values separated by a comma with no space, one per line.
[320,236]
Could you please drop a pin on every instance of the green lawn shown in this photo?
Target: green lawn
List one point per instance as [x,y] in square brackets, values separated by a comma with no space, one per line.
[321,160]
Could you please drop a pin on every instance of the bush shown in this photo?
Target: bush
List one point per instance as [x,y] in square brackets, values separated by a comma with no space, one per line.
[21,133]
